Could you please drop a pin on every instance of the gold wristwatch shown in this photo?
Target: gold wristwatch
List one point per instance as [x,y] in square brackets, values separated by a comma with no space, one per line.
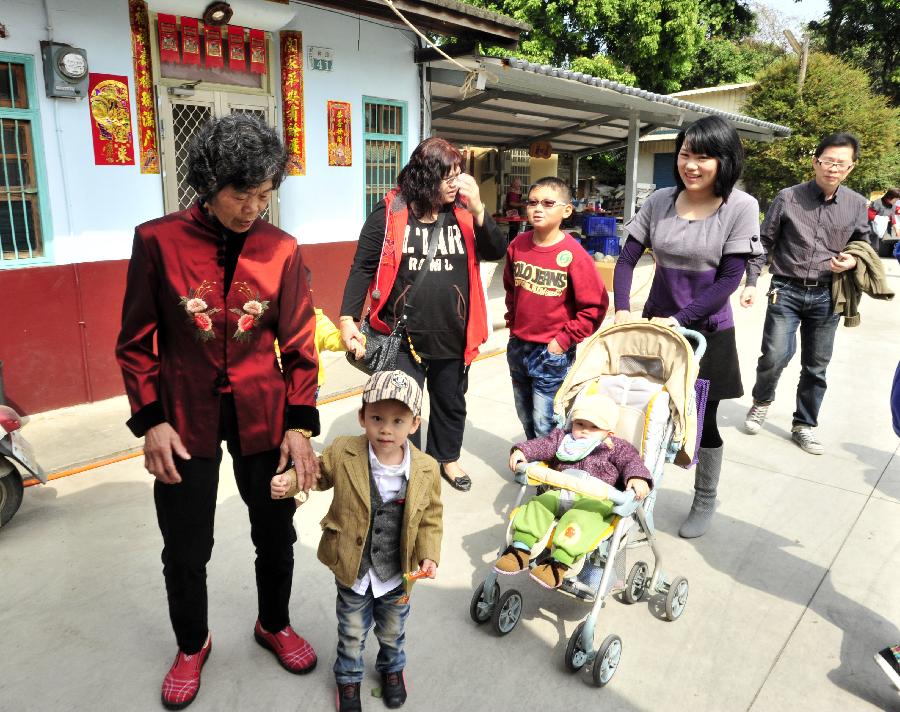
[303,431]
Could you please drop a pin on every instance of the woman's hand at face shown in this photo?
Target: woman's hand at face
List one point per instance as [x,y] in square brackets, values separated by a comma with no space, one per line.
[471,195]
[161,442]
[352,338]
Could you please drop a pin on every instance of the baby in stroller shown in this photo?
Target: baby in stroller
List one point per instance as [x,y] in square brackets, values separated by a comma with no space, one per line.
[587,449]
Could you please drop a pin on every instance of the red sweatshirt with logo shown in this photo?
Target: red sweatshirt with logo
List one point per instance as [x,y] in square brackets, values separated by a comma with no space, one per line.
[552,292]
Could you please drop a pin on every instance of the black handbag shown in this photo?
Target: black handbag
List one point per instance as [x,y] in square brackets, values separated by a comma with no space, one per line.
[382,349]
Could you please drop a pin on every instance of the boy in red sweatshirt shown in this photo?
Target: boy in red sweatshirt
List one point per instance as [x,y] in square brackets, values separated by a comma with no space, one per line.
[554,300]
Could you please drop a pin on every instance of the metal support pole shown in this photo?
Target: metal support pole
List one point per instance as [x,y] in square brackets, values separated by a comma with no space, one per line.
[631,166]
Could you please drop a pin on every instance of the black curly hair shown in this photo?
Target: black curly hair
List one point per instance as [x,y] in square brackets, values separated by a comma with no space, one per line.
[420,179]
[237,150]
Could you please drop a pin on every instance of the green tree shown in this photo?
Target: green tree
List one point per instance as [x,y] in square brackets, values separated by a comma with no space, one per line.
[836,97]
[867,33]
[653,40]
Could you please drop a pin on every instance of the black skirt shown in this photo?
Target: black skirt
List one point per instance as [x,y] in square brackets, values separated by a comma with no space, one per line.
[720,365]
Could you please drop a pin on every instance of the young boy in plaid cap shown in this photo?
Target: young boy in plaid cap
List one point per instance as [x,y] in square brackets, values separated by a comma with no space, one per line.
[385,520]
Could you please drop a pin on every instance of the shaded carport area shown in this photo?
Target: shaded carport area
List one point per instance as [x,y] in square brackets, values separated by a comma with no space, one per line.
[509,103]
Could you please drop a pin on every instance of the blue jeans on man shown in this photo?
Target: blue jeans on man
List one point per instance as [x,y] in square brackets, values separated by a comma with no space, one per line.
[356,614]
[811,309]
[536,376]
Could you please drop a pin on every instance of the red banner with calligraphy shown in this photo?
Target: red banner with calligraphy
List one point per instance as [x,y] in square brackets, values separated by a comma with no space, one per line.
[237,54]
[339,150]
[143,86]
[190,40]
[292,102]
[168,39]
[110,120]
[214,55]
[257,52]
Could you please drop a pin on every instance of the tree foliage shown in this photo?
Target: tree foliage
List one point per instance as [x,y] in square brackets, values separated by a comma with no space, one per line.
[655,41]
[836,97]
[867,32]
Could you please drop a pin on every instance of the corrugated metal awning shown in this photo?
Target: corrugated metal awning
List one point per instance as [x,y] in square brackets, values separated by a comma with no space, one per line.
[522,102]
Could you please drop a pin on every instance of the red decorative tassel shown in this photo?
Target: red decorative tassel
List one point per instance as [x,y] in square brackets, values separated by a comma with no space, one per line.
[214,56]
[257,52]
[168,39]
[237,55]
[190,40]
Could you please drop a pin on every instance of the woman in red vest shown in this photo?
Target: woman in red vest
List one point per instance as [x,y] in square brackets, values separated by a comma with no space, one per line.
[449,319]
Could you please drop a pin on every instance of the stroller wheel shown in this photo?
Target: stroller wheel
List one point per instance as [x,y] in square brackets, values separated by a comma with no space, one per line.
[576,655]
[607,660]
[507,612]
[676,598]
[636,583]
[479,609]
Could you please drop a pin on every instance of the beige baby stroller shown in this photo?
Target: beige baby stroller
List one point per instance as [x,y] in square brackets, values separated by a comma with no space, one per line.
[650,371]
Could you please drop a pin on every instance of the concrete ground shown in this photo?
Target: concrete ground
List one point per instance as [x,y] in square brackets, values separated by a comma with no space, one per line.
[791,591]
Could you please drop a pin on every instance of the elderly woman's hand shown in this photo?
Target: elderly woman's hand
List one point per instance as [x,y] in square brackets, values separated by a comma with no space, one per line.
[353,339]
[160,443]
[297,449]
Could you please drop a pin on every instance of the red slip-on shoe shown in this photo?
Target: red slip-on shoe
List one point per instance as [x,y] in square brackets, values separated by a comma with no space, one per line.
[182,682]
[293,652]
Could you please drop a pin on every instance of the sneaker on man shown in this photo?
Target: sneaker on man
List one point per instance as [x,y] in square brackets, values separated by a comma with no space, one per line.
[756,416]
[889,661]
[182,682]
[804,436]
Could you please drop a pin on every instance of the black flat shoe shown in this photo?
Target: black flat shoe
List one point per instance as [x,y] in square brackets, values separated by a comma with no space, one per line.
[463,484]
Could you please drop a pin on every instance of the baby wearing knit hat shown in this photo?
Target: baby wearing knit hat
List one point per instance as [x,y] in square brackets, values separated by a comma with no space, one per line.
[591,447]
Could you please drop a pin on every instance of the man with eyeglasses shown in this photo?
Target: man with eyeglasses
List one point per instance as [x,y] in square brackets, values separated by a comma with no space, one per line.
[806,229]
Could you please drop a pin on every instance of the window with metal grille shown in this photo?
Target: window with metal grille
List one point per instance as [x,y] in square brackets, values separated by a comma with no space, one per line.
[516,164]
[23,212]
[384,139]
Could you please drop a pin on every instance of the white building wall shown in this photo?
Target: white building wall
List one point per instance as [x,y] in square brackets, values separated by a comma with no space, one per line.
[94,208]
[371,59]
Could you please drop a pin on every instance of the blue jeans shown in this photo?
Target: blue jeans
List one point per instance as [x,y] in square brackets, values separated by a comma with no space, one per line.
[355,615]
[536,376]
[812,310]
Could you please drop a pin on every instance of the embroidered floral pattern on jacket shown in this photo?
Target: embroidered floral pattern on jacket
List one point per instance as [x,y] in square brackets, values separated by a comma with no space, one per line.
[199,313]
[250,313]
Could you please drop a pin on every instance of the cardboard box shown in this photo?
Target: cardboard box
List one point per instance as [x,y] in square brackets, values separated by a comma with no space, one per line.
[605,270]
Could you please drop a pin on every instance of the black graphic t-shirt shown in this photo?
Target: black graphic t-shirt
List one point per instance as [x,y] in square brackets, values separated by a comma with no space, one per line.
[437,323]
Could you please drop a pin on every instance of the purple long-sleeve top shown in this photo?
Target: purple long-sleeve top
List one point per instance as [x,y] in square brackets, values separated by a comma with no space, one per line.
[613,465]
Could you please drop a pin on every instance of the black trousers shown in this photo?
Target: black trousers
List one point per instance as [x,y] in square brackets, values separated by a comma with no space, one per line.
[186,512]
[448,381]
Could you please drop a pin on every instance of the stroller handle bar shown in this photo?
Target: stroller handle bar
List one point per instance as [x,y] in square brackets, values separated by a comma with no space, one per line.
[537,473]
[697,340]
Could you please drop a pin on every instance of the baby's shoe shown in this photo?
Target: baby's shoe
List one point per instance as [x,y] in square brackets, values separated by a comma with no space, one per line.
[512,561]
[549,575]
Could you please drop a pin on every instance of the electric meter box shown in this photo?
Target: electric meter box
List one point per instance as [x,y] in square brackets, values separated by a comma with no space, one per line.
[65,70]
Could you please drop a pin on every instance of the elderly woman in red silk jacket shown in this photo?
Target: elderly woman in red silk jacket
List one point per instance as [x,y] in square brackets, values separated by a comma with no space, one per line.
[216,285]
[449,319]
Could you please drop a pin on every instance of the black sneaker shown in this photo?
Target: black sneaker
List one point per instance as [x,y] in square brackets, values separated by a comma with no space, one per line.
[348,697]
[889,661]
[393,689]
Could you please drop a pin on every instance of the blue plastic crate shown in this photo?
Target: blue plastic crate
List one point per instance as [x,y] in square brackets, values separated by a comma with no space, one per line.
[604,245]
[599,226]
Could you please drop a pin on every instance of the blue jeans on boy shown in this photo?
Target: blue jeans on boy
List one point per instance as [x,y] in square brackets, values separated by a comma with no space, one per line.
[536,376]
[356,615]
[812,310]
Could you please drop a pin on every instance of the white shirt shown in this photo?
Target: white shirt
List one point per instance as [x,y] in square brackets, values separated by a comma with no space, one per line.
[388,480]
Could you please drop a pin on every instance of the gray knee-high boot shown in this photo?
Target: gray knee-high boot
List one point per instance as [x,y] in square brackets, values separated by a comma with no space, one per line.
[706,481]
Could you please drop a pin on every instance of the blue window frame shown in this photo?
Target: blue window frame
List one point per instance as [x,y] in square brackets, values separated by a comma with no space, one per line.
[384,144]
[24,214]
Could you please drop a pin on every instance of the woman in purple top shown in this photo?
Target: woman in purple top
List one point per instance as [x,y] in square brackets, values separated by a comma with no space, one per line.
[702,233]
